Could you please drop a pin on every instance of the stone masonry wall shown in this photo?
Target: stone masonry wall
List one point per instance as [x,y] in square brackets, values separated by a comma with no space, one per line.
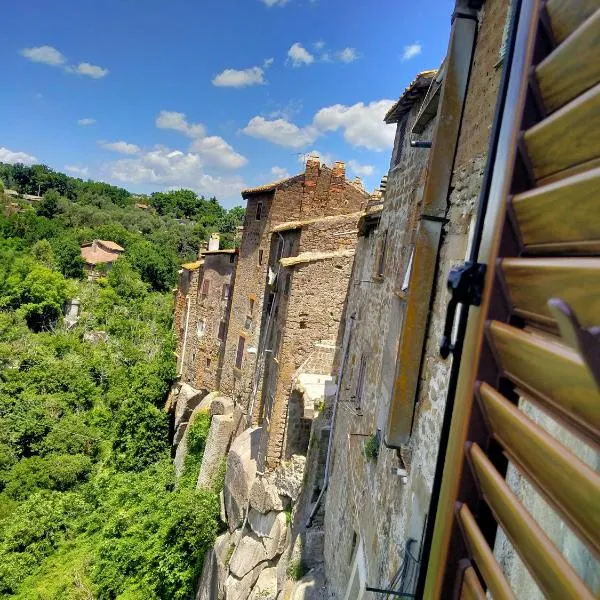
[364,498]
[186,308]
[320,191]
[315,309]
[204,353]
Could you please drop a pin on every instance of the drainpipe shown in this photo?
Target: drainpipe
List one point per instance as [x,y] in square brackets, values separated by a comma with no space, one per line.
[331,433]
[185,334]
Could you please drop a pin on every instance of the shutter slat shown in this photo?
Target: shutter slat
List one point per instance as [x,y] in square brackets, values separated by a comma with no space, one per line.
[573,67]
[566,17]
[568,137]
[471,588]
[483,556]
[533,281]
[570,485]
[553,574]
[559,214]
[551,373]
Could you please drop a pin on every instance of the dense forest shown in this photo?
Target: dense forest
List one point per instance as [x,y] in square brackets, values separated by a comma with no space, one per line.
[89,504]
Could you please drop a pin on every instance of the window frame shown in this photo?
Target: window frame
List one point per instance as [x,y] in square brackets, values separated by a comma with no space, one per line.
[239,353]
[259,208]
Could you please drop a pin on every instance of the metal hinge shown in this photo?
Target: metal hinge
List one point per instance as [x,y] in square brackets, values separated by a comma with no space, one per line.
[465,283]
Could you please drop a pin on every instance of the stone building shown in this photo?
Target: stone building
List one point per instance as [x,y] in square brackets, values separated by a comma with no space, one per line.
[318,192]
[393,387]
[312,261]
[100,252]
[203,302]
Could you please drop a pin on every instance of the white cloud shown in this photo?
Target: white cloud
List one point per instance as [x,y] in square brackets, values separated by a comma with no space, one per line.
[76,170]
[172,168]
[8,156]
[93,71]
[120,147]
[279,173]
[319,45]
[324,157]
[281,132]
[236,78]
[362,124]
[411,51]
[286,111]
[299,55]
[49,55]
[268,62]
[44,54]
[86,121]
[347,55]
[213,150]
[216,151]
[175,120]
[362,170]
[275,2]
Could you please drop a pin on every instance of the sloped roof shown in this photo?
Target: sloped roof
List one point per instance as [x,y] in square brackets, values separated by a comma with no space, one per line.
[192,266]
[306,257]
[288,225]
[269,187]
[412,94]
[111,245]
[96,255]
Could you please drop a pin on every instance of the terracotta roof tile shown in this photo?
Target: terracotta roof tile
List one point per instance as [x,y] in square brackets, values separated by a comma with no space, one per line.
[410,95]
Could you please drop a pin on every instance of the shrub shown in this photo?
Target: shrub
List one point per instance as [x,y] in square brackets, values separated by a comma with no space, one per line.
[371,448]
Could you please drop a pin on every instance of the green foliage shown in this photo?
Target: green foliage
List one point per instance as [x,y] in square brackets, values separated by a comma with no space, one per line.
[48,207]
[196,435]
[296,569]
[89,506]
[67,255]
[371,448]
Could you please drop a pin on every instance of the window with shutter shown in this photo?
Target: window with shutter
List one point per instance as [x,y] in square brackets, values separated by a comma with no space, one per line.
[239,357]
[205,287]
[533,339]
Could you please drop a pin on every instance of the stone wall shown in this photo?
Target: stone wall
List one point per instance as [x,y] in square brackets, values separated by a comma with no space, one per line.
[368,499]
[318,192]
[204,351]
[186,306]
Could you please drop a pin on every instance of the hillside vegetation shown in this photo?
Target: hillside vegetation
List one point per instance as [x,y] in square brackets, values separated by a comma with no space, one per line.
[89,504]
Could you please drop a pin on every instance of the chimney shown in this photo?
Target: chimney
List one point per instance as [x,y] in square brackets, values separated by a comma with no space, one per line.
[339,169]
[311,172]
[213,242]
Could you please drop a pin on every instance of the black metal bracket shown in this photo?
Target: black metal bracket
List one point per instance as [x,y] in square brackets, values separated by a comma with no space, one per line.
[465,283]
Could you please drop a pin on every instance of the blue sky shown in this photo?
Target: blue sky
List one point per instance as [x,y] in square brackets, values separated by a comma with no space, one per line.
[213,95]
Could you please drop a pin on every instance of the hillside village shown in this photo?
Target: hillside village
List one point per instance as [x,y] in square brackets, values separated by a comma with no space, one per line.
[364,456]
[329,392]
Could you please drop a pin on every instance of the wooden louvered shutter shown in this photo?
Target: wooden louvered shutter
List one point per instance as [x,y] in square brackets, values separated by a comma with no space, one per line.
[535,337]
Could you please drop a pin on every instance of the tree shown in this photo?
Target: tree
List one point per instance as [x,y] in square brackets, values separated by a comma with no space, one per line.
[48,207]
[42,252]
[67,254]
[40,297]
